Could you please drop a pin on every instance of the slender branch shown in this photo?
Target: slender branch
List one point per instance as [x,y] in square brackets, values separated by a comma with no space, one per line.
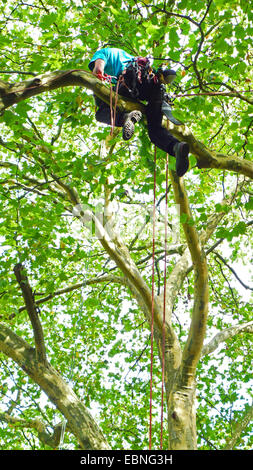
[228,333]
[32,311]
[232,94]
[79,285]
[49,439]
[239,426]
[206,12]
[233,271]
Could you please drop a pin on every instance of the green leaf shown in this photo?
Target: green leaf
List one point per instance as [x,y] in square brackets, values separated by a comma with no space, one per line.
[48,20]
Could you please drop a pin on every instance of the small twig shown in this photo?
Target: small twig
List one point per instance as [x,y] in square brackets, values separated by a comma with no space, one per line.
[232,94]
[232,271]
[19,72]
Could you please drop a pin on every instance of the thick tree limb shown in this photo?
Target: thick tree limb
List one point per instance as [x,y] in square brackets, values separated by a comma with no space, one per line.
[11,94]
[32,311]
[80,422]
[228,333]
[194,343]
[184,264]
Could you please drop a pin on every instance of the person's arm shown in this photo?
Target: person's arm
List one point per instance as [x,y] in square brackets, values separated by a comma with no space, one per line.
[99,68]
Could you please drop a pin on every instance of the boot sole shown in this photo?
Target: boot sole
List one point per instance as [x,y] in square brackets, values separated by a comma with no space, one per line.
[128,128]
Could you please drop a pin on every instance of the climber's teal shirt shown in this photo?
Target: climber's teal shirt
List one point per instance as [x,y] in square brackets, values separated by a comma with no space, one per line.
[116,60]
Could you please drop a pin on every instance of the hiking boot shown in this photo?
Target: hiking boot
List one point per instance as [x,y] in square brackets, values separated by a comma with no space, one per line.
[129,121]
[181,150]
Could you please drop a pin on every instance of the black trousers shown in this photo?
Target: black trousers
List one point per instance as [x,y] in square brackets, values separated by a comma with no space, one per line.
[152,93]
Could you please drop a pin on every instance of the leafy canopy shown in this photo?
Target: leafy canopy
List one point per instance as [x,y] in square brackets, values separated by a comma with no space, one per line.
[98,335]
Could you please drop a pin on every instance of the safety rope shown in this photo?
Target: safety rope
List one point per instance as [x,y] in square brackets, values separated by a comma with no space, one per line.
[113,110]
[164,297]
[152,309]
[164,303]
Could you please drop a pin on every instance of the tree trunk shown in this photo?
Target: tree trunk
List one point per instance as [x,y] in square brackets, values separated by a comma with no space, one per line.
[182,420]
[79,420]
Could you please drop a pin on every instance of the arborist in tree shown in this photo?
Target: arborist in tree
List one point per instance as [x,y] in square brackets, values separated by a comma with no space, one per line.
[138,80]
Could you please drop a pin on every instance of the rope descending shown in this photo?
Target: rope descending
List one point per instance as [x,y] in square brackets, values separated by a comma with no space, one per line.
[164,306]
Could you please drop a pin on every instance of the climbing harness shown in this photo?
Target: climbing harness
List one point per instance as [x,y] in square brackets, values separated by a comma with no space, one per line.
[140,71]
[137,72]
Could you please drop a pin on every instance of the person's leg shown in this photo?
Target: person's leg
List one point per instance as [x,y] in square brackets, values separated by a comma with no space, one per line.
[103,113]
[158,134]
[122,119]
[161,137]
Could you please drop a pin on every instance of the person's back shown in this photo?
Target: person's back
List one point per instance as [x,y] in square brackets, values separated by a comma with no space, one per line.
[115,60]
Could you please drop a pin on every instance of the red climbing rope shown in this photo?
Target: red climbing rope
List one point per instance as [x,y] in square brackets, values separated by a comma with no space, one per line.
[113,110]
[164,304]
[164,299]
[152,309]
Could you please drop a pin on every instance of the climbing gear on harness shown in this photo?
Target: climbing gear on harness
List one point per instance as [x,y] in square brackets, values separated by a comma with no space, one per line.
[166,110]
[139,72]
[165,75]
[130,120]
[181,150]
[104,77]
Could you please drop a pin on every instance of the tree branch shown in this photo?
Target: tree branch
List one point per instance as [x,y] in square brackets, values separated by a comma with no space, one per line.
[14,93]
[232,94]
[117,250]
[79,285]
[50,439]
[232,271]
[80,422]
[32,311]
[11,94]
[228,333]
[194,343]
[239,426]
